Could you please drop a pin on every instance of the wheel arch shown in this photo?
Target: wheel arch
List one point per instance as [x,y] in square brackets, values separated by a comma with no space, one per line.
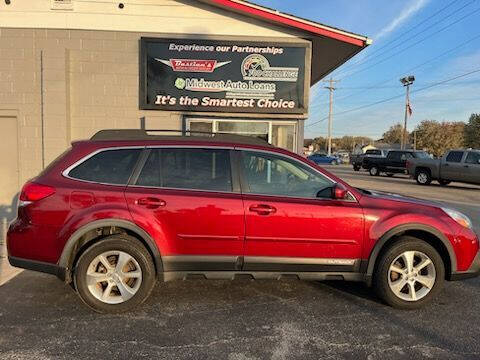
[423,232]
[83,237]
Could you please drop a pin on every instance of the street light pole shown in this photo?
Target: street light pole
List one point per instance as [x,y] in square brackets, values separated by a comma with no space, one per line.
[406,81]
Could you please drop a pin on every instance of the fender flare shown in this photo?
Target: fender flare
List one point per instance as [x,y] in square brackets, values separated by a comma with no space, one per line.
[401,229]
[65,257]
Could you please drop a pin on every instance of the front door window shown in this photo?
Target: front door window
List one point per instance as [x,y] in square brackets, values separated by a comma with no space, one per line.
[274,175]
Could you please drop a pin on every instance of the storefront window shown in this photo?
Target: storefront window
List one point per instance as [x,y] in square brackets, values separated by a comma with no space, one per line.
[278,133]
[283,136]
[201,127]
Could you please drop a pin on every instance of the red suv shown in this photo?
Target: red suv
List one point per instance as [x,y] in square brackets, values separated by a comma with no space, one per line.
[118,211]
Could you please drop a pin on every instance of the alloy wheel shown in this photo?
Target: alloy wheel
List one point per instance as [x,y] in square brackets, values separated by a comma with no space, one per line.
[411,275]
[422,178]
[113,277]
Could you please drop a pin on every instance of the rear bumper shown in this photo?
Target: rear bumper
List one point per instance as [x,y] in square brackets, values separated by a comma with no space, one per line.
[39,266]
[472,272]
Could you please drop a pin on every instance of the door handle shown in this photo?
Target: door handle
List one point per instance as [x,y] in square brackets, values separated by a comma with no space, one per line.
[151,202]
[263,209]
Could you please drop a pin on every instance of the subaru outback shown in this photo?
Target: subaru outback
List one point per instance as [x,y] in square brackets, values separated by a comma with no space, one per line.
[117,212]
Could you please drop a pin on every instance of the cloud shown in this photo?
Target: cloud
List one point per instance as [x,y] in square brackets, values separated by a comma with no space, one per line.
[411,9]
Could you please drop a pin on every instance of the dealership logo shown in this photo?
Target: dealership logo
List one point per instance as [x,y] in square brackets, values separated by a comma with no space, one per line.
[256,67]
[189,65]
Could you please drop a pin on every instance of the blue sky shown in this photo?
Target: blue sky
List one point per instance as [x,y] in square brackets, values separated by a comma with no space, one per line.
[434,40]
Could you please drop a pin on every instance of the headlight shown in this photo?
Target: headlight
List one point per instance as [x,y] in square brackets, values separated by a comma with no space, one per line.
[459,217]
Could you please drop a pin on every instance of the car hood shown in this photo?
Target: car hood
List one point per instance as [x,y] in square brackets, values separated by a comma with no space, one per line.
[402,198]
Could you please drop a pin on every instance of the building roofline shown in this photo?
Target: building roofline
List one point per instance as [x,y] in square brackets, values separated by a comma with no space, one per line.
[289,21]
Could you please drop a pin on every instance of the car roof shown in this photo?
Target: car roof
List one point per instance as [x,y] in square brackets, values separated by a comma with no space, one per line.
[142,135]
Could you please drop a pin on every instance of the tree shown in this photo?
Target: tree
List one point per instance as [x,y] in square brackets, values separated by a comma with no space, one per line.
[472,132]
[394,134]
[436,138]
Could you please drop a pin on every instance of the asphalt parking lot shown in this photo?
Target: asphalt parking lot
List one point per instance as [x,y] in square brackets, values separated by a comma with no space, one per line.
[40,318]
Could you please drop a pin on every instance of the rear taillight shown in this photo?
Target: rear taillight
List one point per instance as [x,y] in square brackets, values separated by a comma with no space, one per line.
[33,192]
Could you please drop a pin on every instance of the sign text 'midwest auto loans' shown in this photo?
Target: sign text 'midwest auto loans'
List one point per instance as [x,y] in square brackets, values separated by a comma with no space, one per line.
[223,76]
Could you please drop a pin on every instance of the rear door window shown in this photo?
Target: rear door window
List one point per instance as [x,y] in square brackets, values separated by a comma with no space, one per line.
[108,167]
[455,156]
[195,169]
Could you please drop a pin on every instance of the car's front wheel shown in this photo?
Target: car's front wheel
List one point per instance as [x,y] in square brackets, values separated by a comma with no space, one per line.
[115,274]
[374,171]
[409,274]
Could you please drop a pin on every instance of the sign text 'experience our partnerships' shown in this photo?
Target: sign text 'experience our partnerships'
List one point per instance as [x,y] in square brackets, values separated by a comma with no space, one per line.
[223,76]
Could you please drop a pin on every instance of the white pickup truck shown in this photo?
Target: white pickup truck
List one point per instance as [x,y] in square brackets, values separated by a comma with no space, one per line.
[455,165]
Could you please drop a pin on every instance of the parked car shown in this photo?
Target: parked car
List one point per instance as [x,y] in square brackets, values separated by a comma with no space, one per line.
[455,165]
[343,156]
[118,211]
[323,158]
[357,160]
[394,163]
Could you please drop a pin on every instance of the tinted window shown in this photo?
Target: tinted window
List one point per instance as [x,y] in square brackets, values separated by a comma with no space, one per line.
[395,155]
[455,156]
[150,174]
[473,158]
[199,169]
[109,167]
[272,175]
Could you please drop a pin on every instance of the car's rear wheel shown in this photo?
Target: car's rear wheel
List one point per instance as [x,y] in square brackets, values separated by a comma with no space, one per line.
[374,171]
[423,177]
[115,274]
[409,274]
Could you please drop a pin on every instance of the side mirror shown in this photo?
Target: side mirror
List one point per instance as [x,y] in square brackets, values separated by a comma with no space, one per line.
[339,192]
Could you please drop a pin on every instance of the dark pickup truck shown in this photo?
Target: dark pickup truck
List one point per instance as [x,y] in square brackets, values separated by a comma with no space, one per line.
[455,165]
[394,163]
[357,160]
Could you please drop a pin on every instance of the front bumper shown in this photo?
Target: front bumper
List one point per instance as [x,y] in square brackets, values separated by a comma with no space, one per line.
[472,272]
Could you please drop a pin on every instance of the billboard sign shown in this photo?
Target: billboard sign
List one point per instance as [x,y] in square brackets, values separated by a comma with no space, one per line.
[224,76]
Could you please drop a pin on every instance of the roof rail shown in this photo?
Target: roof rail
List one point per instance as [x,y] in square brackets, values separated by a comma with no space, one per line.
[143,134]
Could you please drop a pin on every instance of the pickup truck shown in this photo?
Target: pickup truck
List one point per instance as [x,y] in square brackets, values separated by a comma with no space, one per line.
[394,163]
[455,165]
[357,160]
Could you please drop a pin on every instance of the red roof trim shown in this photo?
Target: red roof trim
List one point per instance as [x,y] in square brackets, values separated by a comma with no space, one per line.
[282,19]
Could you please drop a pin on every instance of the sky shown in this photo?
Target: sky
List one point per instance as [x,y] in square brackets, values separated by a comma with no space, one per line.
[434,40]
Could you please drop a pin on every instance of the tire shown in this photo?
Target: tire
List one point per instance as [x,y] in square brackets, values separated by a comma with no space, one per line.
[373,170]
[385,279]
[444,182]
[136,288]
[356,168]
[390,174]
[423,177]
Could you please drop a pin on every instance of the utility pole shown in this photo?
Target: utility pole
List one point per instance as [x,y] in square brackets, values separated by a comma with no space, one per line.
[330,113]
[406,81]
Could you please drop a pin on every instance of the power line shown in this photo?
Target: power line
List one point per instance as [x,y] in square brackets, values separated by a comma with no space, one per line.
[414,44]
[370,55]
[396,96]
[376,85]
